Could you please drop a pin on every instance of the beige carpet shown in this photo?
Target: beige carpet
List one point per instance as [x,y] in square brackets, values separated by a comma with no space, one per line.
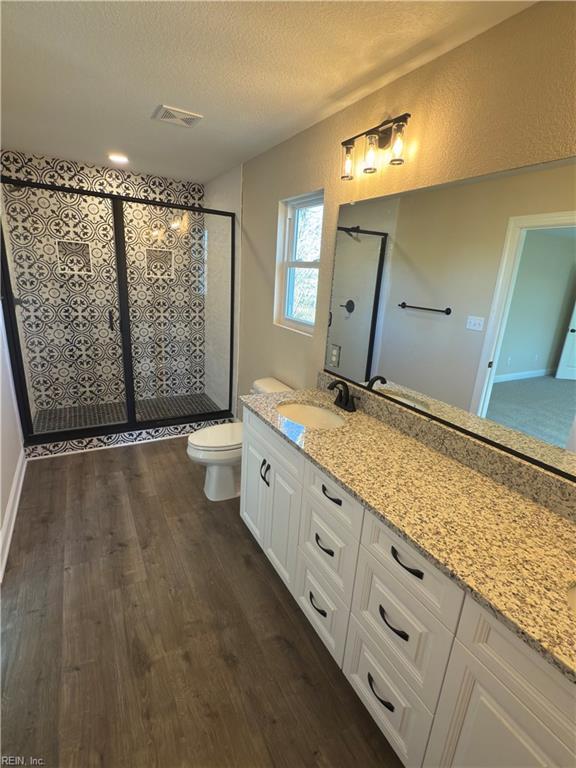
[544,407]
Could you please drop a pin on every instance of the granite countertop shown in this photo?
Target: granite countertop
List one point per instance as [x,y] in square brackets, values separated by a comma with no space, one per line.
[515,557]
[518,441]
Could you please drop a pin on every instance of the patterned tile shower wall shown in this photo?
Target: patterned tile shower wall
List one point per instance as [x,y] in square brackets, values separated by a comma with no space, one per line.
[64,274]
[165,261]
[64,279]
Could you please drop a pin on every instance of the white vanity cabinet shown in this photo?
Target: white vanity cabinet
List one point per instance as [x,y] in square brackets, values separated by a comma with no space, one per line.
[271,497]
[501,704]
[254,495]
[447,683]
[404,615]
[330,527]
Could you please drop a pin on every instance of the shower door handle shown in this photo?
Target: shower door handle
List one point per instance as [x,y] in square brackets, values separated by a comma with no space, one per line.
[110,320]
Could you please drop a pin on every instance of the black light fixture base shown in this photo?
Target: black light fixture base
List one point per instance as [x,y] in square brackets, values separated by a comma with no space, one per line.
[384,131]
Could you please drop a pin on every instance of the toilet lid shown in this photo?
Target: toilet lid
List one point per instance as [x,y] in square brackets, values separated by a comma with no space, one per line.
[221,437]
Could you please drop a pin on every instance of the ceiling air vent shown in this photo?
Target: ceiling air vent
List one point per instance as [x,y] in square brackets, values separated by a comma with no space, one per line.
[176,116]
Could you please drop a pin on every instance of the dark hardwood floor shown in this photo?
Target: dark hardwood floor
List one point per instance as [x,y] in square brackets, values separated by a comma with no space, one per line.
[143,626]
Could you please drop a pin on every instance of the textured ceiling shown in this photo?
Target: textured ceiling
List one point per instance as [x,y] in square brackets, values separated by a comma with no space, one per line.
[81,79]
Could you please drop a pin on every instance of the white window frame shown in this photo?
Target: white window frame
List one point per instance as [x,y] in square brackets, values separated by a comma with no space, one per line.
[285,259]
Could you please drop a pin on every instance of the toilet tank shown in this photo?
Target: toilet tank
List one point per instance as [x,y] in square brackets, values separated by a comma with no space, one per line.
[268,385]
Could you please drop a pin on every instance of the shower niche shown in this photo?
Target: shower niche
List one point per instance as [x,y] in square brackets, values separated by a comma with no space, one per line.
[118,310]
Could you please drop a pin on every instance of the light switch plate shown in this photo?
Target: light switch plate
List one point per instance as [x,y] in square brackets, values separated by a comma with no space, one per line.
[474,323]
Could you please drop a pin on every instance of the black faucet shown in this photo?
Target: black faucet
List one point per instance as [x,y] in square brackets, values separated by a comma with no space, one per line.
[344,399]
[373,381]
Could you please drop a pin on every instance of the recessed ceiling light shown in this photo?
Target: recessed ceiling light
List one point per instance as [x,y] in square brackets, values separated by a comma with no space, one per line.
[117,157]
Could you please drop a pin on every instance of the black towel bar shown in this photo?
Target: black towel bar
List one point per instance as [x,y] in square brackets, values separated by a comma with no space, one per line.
[447,311]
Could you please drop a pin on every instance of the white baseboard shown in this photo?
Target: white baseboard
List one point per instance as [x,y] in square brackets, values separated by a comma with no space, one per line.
[522,375]
[10,512]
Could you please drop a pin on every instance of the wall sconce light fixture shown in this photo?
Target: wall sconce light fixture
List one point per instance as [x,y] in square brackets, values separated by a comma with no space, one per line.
[388,135]
[347,161]
[371,153]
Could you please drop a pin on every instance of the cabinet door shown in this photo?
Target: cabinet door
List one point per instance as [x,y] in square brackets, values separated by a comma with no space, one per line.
[254,495]
[480,723]
[283,523]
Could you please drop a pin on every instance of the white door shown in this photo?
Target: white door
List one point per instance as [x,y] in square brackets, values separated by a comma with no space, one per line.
[479,723]
[567,365]
[254,495]
[282,529]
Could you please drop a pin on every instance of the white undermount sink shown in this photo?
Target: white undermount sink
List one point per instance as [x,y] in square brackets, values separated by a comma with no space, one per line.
[310,415]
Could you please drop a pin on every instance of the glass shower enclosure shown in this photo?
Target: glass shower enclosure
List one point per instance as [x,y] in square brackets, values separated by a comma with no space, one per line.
[118,310]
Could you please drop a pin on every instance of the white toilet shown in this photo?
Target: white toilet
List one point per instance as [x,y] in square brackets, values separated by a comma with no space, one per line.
[219,448]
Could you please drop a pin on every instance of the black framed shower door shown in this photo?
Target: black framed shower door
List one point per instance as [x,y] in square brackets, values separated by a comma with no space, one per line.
[126,309]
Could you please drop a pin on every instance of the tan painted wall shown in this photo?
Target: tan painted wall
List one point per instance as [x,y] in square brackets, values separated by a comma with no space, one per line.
[502,100]
[542,304]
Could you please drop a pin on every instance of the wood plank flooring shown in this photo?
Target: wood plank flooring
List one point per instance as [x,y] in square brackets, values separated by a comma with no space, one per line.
[143,626]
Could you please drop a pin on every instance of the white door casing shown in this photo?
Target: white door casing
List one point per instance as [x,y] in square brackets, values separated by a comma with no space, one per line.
[567,363]
[518,226]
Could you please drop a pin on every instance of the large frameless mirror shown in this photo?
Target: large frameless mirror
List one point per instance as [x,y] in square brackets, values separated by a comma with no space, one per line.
[462,298]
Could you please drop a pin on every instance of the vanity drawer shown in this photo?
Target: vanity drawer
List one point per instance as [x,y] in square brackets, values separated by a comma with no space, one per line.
[329,545]
[278,450]
[410,637]
[398,712]
[437,592]
[541,688]
[325,611]
[345,509]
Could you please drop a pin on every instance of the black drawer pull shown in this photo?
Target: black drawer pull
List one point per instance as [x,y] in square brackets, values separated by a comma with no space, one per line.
[266,475]
[414,571]
[399,632]
[328,551]
[263,472]
[332,498]
[389,706]
[321,611]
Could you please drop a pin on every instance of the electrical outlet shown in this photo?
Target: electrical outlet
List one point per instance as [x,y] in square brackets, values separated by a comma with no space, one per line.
[474,323]
[335,355]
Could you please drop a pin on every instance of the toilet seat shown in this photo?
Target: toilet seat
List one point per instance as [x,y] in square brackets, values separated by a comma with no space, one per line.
[221,437]
[219,449]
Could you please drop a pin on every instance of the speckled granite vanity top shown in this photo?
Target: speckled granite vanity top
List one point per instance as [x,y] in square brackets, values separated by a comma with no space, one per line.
[516,557]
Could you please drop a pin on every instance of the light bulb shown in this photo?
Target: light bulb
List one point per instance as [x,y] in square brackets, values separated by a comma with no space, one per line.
[117,157]
[176,222]
[347,173]
[371,153]
[397,143]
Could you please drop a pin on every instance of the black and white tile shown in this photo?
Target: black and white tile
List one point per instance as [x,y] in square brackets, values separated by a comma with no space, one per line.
[92,178]
[63,269]
[166,268]
[64,272]
[157,408]
[111,441]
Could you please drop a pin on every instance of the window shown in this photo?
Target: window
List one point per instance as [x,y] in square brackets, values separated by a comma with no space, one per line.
[298,262]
